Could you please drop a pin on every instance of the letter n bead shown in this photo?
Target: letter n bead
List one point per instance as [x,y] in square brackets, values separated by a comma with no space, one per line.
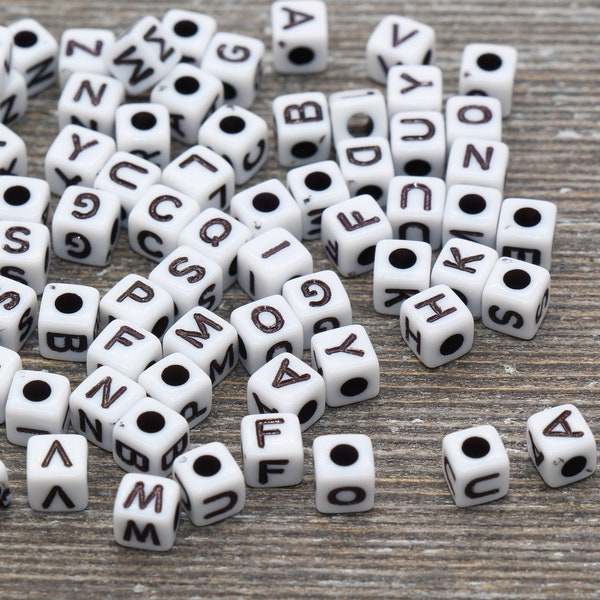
[344,473]
[561,445]
[475,465]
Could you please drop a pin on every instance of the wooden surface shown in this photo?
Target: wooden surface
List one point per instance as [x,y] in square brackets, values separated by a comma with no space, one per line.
[537,542]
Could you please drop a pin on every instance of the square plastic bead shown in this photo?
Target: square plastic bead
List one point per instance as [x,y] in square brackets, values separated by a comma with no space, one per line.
[10,363]
[18,313]
[413,87]
[24,199]
[473,117]
[13,153]
[5,491]
[475,465]
[190,32]
[6,47]
[13,98]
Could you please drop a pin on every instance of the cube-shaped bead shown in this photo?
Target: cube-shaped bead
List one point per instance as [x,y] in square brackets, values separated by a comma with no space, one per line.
[189,31]
[344,473]
[13,153]
[37,403]
[212,484]
[299,36]
[13,98]
[67,321]
[515,298]
[526,230]
[302,127]
[34,54]
[218,236]
[190,95]
[203,175]
[207,339]
[401,269]
[267,205]
[90,100]
[346,359]
[471,212]
[18,313]
[415,208]
[358,113]
[86,225]
[266,328]
[398,40]
[489,70]
[146,512]
[475,465]
[272,450]
[24,199]
[142,55]
[267,261]
[477,162]
[303,393]
[418,143]
[465,266]
[149,437]
[436,325]
[125,347]
[320,301]
[5,491]
[190,278]
[240,136]
[10,363]
[76,156]
[157,219]
[57,472]
[180,384]
[315,187]
[349,232]
[83,50]
[367,166]
[413,87]
[471,117]
[561,445]
[25,253]
[6,47]
[143,128]
[237,60]
[99,401]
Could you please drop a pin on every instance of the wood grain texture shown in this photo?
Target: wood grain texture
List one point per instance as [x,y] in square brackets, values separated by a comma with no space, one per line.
[535,543]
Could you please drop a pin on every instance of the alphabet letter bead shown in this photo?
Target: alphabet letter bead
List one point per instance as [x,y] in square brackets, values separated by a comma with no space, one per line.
[436,325]
[10,363]
[5,491]
[475,465]
[302,128]
[489,70]
[67,321]
[37,403]
[99,401]
[180,384]
[240,136]
[300,37]
[57,473]
[13,153]
[18,313]
[561,445]
[526,230]
[515,298]
[347,361]
[413,87]
[398,40]
[349,232]
[146,512]
[13,98]
[267,261]
[149,437]
[212,484]
[272,450]
[344,473]
[6,48]
[190,32]
[207,339]
[473,117]
[266,328]
[320,301]
[287,385]
[24,199]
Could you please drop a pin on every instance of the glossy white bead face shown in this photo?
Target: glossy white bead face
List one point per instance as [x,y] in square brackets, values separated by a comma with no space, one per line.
[10,363]
[13,99]
[344,473]
[18,315]
[561,445]
[25,199]
[475,465]
[272,450]
[473,117]
[189,31]
[413,87]
[13,153]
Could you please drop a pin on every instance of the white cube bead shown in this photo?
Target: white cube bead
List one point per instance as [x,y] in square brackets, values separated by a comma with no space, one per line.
[212,484]
[467,116]
[57,473]
[272,450]
[24,199]
[13,153]
[475,465]
[13,98]
[18,312]
[561,445]
[10,363]
[436,325]
[413,87]
[190,31]
[344,473]
[6,48]
[5,491]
